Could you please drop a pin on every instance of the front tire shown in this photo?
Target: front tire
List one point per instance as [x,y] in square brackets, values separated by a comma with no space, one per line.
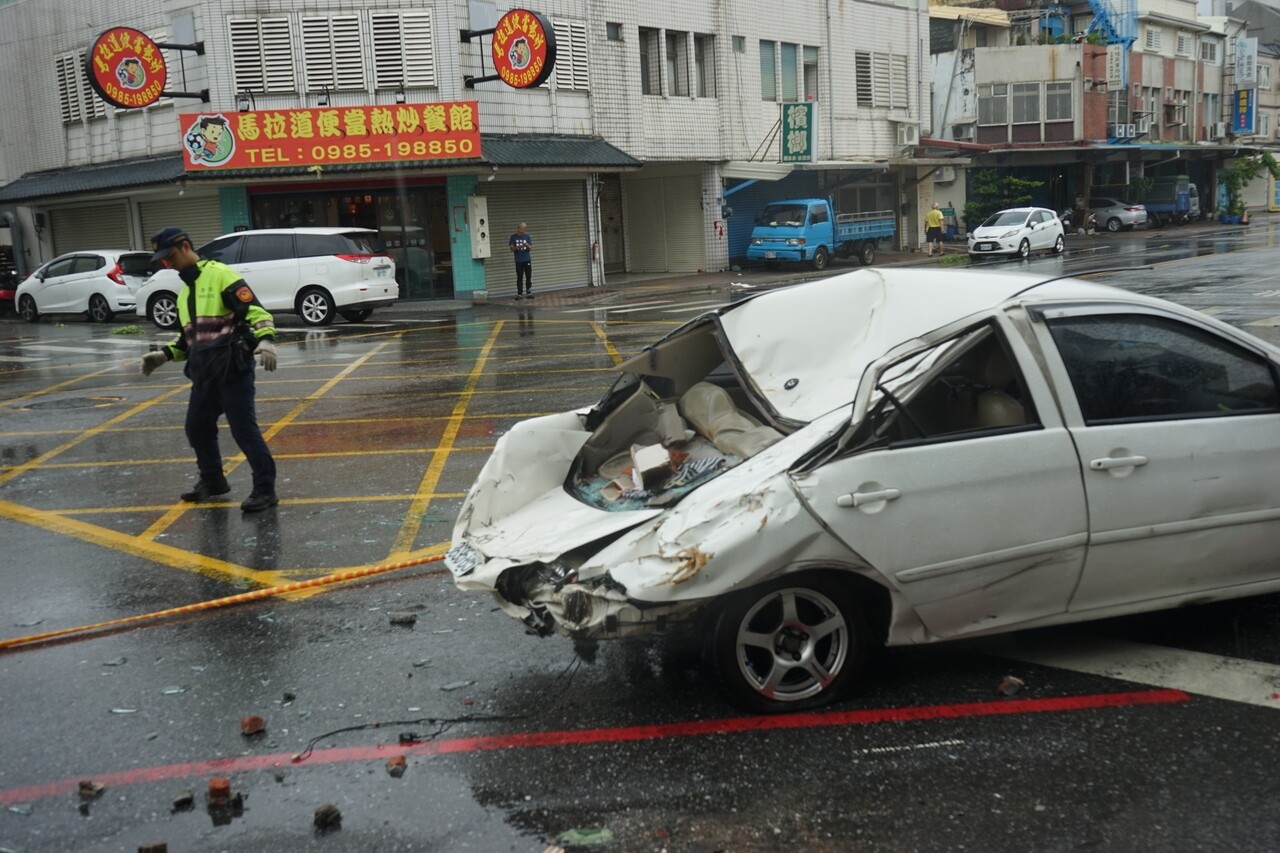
[1024,249]
[27,308]
[163,310]
[1059,245]
[820,258]
[99,310]
[793,643]
[315,307]
[1113,224]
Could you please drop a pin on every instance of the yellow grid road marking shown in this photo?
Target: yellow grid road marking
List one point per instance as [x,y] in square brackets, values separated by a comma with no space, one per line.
[349,499]
[608,345]
[175,512]
[413,518]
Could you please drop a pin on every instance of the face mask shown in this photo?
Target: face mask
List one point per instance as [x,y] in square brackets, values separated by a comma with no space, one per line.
[190,274]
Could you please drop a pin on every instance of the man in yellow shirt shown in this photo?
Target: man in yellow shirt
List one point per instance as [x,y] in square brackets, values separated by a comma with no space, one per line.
[933,229]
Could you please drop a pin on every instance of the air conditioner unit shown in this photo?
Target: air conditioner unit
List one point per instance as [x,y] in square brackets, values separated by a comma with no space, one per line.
[1143,127]
[1218,130]
[944,175]
[908,133]
[963,131]
[1119,131]
[1130,130]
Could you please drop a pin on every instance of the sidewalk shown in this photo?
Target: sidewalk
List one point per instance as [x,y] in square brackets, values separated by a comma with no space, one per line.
[622,288]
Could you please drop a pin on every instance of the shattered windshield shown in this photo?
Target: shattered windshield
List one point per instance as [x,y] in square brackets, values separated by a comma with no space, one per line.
[783,214]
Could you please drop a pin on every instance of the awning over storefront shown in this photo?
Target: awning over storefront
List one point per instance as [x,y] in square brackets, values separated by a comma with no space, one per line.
[514,151]
[103,177]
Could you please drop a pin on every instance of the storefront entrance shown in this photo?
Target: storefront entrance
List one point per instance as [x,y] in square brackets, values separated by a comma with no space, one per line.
[410,220]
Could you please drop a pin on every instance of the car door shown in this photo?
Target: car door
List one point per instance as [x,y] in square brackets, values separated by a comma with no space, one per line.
[268,264]
[87,276]
[1045,234]
[53,289]
[967,498]
[1178,428]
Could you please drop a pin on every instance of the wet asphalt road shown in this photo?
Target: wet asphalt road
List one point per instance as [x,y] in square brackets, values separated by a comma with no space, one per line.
[378,429]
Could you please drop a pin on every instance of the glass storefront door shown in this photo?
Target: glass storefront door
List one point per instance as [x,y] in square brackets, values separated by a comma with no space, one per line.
[410,220]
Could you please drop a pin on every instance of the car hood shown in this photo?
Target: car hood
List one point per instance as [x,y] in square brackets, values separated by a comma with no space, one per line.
[852,319]
[991,232]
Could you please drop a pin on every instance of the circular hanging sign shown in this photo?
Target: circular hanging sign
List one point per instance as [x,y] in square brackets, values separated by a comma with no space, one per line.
[126,68]
[524,49]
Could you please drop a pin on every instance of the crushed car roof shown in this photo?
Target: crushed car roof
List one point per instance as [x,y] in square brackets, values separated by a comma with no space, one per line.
[806,347]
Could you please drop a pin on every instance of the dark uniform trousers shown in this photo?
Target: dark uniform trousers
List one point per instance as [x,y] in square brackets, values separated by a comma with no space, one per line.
[230,393]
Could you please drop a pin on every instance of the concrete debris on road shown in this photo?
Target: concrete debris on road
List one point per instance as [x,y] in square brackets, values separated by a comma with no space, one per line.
[328,817]
[456,685]
[402,617]
[252,725]
[1010,685]
[90,790]
[396,765]
[185,801]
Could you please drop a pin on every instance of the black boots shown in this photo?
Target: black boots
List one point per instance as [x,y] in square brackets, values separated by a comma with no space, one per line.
[207,487]
[258,501]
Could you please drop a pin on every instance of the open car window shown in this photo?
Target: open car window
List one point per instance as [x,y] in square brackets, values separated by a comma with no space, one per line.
[1136,367]
[968,385]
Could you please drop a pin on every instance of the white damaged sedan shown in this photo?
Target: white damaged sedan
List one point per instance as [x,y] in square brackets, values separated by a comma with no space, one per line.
[889,456]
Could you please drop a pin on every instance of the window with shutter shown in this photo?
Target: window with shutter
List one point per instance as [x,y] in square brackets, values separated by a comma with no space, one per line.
[402,49]
[262,55]
[331,53]
[571,56]
[882,91]
[898,65]
[862,77]
[68,89]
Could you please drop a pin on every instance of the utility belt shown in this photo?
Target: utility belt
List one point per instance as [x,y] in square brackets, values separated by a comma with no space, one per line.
[227,359]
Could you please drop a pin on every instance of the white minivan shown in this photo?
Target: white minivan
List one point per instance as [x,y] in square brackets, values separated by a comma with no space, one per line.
[315,273]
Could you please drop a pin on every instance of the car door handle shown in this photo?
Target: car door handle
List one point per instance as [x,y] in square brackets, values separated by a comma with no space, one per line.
[1108,462]
[864,498]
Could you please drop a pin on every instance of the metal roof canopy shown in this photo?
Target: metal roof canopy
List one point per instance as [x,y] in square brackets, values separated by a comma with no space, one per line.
[522,151]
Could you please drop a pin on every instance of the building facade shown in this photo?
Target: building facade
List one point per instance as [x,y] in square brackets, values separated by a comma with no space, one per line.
[647,150]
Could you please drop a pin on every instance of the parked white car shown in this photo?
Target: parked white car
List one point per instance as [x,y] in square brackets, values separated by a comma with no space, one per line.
[316,273]
[1017,232]
[889,456]
[1114,214]
[98,283]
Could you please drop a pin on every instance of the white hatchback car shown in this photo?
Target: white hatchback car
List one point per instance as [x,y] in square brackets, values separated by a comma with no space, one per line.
[98,283]
[1018,232]
[316,273]
[889,456]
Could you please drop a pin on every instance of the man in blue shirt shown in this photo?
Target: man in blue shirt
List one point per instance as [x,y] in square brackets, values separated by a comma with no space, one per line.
[521,244]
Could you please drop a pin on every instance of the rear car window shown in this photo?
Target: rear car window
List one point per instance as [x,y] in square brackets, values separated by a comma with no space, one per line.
[89,263]
[137,263]
[363,243]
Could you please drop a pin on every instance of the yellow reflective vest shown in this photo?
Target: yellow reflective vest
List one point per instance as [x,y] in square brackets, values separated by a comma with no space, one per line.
[226,312]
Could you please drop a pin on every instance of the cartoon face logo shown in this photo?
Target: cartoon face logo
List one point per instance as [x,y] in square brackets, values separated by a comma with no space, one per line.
[130,74]
[209,141]
[518,54]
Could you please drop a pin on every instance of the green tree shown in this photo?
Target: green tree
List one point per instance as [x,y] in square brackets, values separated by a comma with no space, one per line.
[1241,173]
[990,191]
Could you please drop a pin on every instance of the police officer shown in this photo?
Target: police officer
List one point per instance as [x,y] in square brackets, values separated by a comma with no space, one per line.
[223,325]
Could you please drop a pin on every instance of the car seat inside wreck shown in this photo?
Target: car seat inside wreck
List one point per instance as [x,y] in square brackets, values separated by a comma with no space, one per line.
[677,418]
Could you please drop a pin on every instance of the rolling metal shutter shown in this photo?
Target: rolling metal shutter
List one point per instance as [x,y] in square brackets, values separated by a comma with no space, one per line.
[200,215]
[99,226]
[556,215]
[665,227]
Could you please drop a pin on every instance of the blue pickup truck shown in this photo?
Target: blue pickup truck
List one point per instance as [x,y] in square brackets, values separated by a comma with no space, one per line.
[809,230]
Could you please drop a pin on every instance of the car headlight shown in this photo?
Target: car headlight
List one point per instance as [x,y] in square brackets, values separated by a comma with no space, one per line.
[795,241]
[757,241]
[1006,235]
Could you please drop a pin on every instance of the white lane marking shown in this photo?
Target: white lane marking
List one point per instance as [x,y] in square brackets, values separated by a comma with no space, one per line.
[1232,679]
[632,310]
[693,306]
[1270,293]
[54,348]
[910,747]
[620,308]
[1270,321]
[1216,309]
[122,342]
[20,358]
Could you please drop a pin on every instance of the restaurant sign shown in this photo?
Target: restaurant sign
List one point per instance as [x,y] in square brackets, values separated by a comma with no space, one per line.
[126,68]
[330,135]
[524,49]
